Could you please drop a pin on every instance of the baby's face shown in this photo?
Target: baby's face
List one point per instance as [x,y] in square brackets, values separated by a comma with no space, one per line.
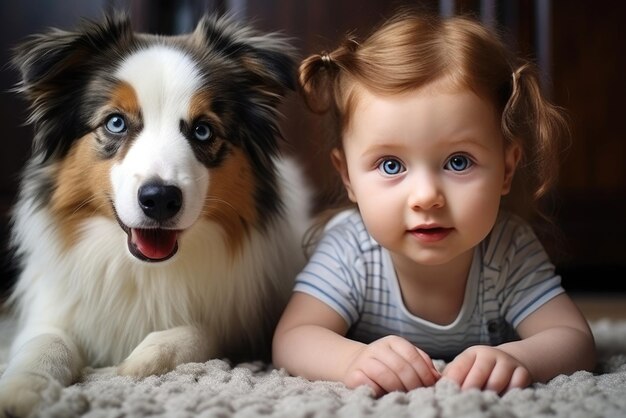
[427,170]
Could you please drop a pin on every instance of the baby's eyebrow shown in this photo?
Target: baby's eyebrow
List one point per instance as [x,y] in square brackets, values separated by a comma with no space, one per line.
[383,148]
[466,140]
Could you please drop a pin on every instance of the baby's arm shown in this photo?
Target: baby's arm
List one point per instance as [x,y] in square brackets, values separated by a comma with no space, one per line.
[555,339]
[309,341]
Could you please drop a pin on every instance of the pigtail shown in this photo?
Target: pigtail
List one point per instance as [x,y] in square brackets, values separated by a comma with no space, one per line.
[319,76]
[315,77]
[322,78]
[539,126]
[318,79]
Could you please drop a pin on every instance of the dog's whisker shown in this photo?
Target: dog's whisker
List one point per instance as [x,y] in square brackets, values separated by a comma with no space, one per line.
[224,202]
[82,204]
[227,205]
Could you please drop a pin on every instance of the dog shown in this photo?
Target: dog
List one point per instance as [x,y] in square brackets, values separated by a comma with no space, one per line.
[157,221]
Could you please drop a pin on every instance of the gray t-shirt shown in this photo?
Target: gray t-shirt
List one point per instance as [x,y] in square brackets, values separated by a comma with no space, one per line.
[510,277]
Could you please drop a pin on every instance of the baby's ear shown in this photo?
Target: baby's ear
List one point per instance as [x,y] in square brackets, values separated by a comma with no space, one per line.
[339,161]
[512,157]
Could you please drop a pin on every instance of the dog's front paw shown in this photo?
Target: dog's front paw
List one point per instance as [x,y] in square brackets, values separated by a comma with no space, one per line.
[21,394]
[161,351]
[149,359]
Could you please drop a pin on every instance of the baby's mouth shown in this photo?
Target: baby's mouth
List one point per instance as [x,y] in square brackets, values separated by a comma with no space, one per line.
[430,234]
[435,230]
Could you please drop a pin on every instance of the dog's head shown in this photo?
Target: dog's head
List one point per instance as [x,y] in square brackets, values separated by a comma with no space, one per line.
[156,132]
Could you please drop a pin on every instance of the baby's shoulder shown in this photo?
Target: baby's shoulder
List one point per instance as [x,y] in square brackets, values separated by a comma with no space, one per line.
[347,230]
[509,227]
[510,235]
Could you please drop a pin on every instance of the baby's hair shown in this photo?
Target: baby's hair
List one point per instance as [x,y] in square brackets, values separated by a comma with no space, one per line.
[410,51]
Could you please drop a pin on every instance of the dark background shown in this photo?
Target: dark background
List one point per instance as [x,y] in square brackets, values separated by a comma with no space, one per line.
[579,45]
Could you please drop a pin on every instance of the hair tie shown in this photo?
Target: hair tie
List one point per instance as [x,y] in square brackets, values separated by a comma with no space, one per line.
[353,44]
[326,59]
[516,76]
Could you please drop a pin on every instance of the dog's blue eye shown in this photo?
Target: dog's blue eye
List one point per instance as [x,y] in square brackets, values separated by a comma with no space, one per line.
[202,131]
[116,124]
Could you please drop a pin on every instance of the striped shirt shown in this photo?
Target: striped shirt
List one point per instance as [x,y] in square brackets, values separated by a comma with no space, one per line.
[510,277]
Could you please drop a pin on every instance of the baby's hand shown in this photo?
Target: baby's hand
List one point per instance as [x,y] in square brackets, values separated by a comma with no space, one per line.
[487,368]
[389,364]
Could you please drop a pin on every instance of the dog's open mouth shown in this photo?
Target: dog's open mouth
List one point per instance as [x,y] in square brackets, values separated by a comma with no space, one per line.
[152,244]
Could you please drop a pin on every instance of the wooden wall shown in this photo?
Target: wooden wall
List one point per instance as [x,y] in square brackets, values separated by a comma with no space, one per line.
[589,56]
[586,66]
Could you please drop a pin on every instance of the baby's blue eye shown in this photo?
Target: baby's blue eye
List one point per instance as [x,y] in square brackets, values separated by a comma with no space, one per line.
[391,166]
[458,163]
[116,124]
[202,131]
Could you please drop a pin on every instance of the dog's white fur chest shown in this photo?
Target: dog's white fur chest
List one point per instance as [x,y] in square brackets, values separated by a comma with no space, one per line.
[109,301]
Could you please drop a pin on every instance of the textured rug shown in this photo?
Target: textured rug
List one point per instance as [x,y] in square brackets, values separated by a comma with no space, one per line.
[219,389]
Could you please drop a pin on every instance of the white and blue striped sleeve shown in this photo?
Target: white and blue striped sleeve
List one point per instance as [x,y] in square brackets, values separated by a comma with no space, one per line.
[529,279]
[333,272]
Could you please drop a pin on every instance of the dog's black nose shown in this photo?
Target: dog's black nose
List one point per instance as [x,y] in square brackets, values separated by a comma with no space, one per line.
[160,202]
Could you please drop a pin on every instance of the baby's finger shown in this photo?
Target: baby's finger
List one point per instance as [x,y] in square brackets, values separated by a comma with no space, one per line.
[500,377]
[521,378]
[359,378]
[426,368]
[460,367]
[383,375]
[418,369]
[479,373]
[406,372]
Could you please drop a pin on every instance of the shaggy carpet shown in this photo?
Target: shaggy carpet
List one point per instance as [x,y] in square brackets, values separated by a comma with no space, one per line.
[219,389]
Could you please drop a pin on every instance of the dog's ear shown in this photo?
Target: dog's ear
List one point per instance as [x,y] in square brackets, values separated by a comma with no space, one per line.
[55,68]
[270,56]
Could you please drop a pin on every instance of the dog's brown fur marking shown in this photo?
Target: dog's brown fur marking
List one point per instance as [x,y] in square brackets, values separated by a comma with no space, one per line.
[82,189]
[230,198]
[124,98]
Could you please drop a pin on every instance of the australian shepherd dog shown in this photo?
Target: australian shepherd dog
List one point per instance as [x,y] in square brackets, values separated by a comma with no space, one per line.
[157,222]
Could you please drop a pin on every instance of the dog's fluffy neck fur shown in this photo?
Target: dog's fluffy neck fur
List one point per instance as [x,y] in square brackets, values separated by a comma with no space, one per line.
[126,300]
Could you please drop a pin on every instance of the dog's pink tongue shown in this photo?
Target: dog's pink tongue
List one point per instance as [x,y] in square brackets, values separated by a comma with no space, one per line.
[155,244]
